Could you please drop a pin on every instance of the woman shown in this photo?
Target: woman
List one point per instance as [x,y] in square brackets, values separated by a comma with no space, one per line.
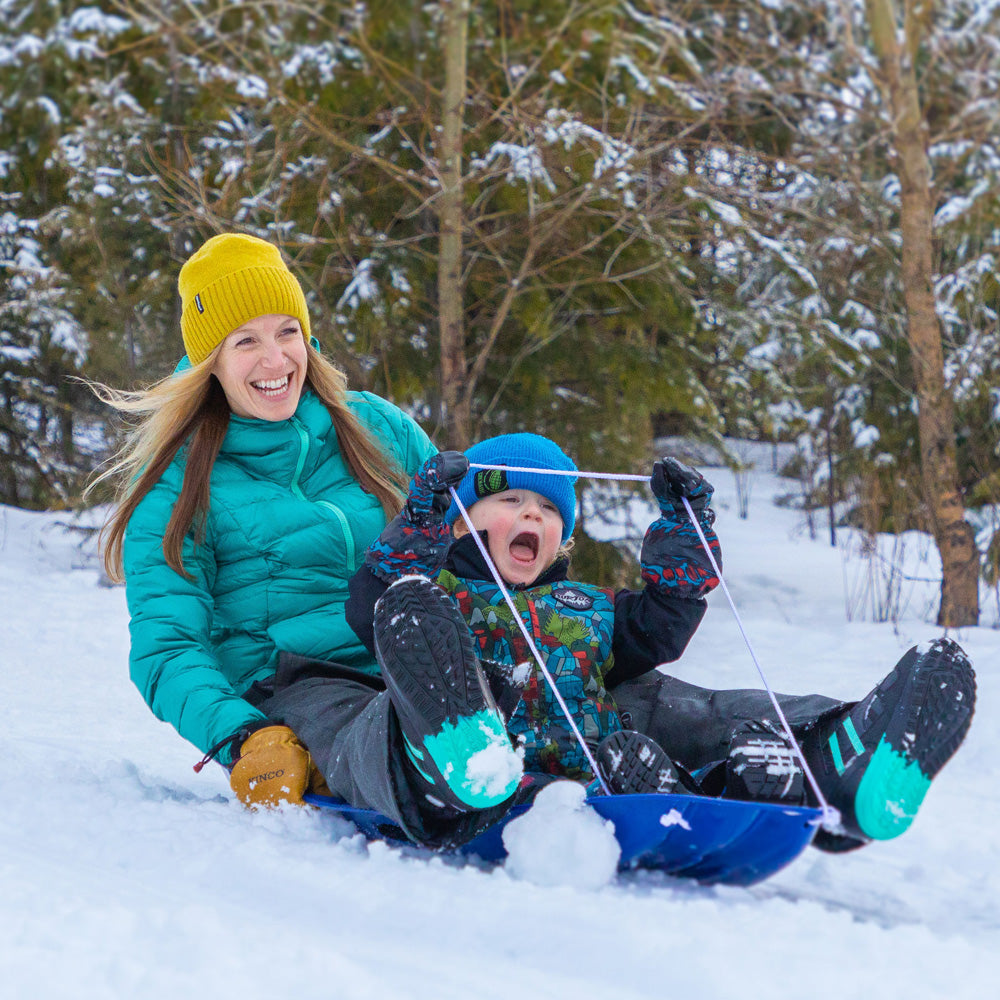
[251,489]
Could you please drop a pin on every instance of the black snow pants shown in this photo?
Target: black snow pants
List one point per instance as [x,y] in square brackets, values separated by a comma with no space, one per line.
[694,724]
[346,720]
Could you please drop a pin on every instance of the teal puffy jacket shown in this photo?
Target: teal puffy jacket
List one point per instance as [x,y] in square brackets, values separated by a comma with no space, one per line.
[287,527]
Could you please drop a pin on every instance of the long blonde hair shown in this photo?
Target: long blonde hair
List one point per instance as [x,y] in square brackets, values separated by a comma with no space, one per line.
[190,407]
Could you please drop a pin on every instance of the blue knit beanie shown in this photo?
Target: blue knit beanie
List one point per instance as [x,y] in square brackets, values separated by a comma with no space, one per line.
[519,450]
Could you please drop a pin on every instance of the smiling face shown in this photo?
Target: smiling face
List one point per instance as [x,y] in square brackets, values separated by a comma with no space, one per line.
[262,367]
[524,529]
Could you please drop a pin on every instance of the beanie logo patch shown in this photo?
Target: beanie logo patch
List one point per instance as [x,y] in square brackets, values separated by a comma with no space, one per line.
[490,481]
[197,302]
[575,599]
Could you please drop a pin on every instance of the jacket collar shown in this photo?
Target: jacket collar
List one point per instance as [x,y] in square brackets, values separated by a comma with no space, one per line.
[467,563]
[278,440]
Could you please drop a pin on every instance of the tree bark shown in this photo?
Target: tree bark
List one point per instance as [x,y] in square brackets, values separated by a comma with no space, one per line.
[831,486]
[936,417]
[456,407]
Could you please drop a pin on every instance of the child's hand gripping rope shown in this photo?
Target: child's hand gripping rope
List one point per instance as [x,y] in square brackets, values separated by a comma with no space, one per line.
[417,539]
[672,556]
[672,480]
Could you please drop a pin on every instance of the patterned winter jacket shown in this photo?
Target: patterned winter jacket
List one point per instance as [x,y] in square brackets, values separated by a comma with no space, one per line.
[591,639]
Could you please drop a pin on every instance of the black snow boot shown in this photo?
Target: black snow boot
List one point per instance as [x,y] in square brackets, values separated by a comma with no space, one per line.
[455,739]
[762,766]
[632,763]
[875,761]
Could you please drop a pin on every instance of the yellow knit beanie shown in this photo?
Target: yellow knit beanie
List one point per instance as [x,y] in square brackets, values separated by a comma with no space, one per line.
[230,280]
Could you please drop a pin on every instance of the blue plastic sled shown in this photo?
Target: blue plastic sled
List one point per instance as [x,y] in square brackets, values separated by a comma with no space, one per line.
[711,840]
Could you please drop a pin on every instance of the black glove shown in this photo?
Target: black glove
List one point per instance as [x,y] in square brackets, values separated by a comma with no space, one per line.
[671,480]
[417,539]
[429,498]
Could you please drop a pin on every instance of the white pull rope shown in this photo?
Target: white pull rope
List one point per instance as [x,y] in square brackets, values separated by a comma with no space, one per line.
[565,472]
[830,816]
[531,642]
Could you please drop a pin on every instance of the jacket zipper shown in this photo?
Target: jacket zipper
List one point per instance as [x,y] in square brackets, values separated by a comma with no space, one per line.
[345,525]
[535,628]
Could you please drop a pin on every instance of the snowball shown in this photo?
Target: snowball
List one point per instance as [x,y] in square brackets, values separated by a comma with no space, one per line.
[560,840]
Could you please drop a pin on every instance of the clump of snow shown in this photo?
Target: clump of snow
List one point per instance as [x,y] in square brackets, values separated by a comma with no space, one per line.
[526,163]
[495,768]
[560,840]
[362,287]
[410,576]
[521,674]
[674,818]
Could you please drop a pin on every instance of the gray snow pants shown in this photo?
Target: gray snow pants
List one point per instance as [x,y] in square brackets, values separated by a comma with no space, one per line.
[346,720]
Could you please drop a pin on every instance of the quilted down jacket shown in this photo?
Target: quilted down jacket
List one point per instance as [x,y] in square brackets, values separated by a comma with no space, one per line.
[287,527]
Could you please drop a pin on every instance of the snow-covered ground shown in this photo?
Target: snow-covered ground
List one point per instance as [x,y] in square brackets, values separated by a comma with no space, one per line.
[125,874]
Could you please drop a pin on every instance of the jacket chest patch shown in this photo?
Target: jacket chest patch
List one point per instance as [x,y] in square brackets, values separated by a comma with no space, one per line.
[575,599]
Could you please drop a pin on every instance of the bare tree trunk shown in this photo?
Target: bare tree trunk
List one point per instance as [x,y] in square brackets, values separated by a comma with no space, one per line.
[456,408]
[831,486]
[936,419]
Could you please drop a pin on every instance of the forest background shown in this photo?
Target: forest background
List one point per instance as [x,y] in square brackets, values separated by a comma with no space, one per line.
[606,221]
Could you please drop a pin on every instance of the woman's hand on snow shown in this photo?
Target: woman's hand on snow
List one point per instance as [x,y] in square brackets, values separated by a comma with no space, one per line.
[274,767]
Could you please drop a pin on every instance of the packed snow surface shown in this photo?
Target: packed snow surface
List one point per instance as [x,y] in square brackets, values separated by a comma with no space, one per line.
[126,875]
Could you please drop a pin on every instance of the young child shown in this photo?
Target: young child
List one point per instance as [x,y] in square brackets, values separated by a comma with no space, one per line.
[590,637]
[874,759]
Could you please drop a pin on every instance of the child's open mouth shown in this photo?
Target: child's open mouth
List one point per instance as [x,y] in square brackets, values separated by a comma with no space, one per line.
[524,548]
